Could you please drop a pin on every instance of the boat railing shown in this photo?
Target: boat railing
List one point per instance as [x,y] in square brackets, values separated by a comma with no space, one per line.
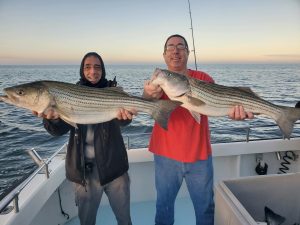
[43,164]
[13,196]
[246,134]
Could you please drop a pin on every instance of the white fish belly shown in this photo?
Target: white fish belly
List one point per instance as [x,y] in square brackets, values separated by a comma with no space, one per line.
[206,109]
[89,116]
[98,118]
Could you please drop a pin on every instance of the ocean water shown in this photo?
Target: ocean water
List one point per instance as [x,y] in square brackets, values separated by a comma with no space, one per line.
[20,130]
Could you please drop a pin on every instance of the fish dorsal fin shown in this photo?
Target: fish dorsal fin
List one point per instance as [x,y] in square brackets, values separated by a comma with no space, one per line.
[248,90]
[194,81]
[116,89]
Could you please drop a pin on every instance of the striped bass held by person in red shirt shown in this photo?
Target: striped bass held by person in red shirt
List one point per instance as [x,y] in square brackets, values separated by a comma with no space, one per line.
[216,100]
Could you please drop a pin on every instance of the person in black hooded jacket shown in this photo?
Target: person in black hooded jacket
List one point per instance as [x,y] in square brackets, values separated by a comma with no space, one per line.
[96,159]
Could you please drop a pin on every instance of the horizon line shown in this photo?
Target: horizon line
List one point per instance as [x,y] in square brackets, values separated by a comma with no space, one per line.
[145,64]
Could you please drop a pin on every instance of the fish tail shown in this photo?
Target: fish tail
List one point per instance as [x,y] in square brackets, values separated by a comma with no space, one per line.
[162,113]
[287,119]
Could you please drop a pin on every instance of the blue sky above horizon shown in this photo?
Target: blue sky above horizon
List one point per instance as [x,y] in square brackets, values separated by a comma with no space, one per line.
[133,32]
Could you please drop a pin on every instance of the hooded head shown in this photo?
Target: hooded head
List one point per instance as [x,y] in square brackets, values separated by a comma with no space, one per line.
[83,81]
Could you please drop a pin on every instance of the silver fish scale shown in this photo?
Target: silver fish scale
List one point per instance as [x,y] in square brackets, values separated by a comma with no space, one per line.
[82,97]
[222,96]
[219,96]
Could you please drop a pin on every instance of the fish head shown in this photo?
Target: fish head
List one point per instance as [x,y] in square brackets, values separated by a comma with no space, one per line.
[173,84]
[272,218]
[33,96]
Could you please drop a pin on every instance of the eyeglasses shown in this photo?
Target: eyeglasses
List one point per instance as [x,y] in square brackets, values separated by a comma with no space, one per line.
[89,67]
[178,46]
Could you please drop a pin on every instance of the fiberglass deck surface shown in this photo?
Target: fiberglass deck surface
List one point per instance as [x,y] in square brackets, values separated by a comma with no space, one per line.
[143,213]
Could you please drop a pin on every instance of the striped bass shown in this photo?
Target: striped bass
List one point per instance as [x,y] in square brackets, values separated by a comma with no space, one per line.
[77,104]
[216,100]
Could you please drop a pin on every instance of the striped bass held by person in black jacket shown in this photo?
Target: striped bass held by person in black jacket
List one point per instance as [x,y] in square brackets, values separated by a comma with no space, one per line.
[79,104]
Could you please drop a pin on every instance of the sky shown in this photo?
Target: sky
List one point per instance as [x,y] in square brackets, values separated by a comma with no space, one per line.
[43,32]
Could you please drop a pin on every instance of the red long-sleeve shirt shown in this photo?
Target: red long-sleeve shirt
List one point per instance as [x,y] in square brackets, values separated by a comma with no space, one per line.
[185,140]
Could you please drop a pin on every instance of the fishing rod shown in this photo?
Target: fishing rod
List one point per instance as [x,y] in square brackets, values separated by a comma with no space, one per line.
[194,50]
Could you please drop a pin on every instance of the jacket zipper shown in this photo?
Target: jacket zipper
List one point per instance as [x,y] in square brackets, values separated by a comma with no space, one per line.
[83,182]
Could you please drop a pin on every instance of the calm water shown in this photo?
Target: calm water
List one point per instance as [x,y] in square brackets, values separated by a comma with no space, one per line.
[20,130]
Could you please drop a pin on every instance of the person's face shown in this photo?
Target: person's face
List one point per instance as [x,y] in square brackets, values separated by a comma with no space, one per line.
[176,54]
[92,69]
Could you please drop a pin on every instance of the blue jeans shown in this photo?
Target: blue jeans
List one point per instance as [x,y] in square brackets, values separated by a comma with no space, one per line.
[198,176]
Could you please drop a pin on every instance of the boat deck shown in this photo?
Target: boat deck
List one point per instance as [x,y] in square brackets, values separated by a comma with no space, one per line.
[144,213]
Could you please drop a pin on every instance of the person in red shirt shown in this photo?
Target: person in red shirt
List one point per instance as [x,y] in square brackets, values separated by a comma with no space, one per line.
[184,150]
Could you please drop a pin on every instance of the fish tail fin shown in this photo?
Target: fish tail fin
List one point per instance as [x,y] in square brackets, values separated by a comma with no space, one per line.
[287,119]
[162,112]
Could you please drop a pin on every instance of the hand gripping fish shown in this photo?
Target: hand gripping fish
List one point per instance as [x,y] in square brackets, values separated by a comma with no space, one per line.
[77,104]
[217,100]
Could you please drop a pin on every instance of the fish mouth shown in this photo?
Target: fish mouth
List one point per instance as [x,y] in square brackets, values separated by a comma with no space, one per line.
[4,98]
[180,95]
[155,75]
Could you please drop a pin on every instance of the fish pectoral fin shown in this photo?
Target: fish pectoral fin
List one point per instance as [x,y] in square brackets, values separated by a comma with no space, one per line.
[196,116]
[67,120]
[195,101]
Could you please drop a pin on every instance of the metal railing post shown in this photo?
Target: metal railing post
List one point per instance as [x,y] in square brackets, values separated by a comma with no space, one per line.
[16,203]
[248,134]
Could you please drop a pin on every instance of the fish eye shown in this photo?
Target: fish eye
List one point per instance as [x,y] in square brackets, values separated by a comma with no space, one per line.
[20,92]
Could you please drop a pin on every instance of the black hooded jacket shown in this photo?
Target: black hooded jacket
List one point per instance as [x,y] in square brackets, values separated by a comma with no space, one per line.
[110,153]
